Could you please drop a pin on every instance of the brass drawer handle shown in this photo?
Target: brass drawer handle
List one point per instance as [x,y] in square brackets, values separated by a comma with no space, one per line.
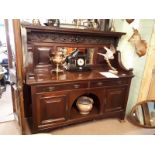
[119,82]
[76,86]
[51,88]
[100,83]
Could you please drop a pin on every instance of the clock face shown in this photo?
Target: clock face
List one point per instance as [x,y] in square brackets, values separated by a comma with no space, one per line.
[80,62]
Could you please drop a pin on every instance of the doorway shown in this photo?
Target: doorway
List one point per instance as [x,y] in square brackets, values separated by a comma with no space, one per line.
[6,105]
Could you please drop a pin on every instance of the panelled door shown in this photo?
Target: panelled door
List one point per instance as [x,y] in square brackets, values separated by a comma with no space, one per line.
[115,98]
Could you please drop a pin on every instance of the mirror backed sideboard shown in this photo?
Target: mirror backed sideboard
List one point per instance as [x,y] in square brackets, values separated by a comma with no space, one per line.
[50,98]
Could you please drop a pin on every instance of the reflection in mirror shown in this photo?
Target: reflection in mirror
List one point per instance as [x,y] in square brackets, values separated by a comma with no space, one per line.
[66,51]
[143,114]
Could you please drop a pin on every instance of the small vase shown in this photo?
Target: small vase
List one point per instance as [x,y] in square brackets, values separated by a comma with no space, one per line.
[84,105]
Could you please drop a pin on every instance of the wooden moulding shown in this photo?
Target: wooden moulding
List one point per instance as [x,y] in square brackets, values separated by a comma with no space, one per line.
[67,35]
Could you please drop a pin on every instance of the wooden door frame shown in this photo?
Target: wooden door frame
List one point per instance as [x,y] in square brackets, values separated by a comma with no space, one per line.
[147,75]
[19,68]
[19,65]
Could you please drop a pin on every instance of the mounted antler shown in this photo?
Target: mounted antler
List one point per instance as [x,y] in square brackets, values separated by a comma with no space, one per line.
[140,45]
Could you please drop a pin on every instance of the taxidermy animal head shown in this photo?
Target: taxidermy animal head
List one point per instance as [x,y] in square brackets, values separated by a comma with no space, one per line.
[140,45]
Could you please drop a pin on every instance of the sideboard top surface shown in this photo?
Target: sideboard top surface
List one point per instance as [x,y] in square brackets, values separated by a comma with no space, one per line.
[67,76]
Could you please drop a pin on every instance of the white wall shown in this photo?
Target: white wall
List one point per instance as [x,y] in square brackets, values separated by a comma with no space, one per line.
[129,57]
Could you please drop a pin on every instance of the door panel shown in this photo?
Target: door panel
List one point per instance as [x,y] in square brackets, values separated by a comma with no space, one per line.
[51,108]
[115,98]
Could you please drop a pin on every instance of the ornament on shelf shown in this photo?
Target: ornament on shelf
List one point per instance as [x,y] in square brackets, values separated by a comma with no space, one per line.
[84,104]
[109,55]
[58,59]
[53,22]
[112,26]
[36,22]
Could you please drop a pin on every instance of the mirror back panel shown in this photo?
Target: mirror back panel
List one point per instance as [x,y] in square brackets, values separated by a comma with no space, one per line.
[43,44]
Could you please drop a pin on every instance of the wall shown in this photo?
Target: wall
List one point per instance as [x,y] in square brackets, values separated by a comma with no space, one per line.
[129,57]
[151,94]
[148,78]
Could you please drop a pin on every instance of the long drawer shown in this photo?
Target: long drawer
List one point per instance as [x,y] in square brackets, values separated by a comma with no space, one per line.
[102,83]
[61,87]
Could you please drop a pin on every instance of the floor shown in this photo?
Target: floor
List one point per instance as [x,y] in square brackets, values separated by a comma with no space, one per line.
[6,109]
[100,127]
[104,127]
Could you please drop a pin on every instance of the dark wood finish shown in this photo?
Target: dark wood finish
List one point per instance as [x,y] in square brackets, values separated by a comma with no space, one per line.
[115,96]
[50,108]
[54,96]
[19,71]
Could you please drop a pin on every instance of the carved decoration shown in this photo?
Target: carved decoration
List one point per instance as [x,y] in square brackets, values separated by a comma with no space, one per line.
[70,38]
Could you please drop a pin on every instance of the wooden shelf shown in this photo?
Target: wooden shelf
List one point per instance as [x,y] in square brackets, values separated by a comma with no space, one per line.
[32,28]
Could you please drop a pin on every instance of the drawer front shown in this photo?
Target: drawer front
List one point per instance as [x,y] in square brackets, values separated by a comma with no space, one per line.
[61,87]
[101,83]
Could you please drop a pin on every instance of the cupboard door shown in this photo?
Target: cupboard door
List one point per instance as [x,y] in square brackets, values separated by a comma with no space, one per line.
[50,108]
[115,98]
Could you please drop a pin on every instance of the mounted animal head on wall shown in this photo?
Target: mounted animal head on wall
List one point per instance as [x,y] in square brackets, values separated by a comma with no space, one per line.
[140,45]
[129,21]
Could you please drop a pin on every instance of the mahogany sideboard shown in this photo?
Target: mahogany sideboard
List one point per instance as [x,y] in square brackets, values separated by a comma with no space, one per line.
[50,98]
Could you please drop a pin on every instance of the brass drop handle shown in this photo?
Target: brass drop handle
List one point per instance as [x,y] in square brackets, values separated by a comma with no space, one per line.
[77,39]
[76,86]
[119,82]
[99,83]
[51,88]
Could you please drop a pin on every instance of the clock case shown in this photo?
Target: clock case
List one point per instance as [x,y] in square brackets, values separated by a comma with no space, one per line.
[72,61]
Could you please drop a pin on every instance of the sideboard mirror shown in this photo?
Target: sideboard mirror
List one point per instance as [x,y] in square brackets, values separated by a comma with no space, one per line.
[143,114]
[66,51]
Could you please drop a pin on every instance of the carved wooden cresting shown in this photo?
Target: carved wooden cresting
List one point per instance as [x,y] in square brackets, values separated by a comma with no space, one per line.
[50,99]
[70,38]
